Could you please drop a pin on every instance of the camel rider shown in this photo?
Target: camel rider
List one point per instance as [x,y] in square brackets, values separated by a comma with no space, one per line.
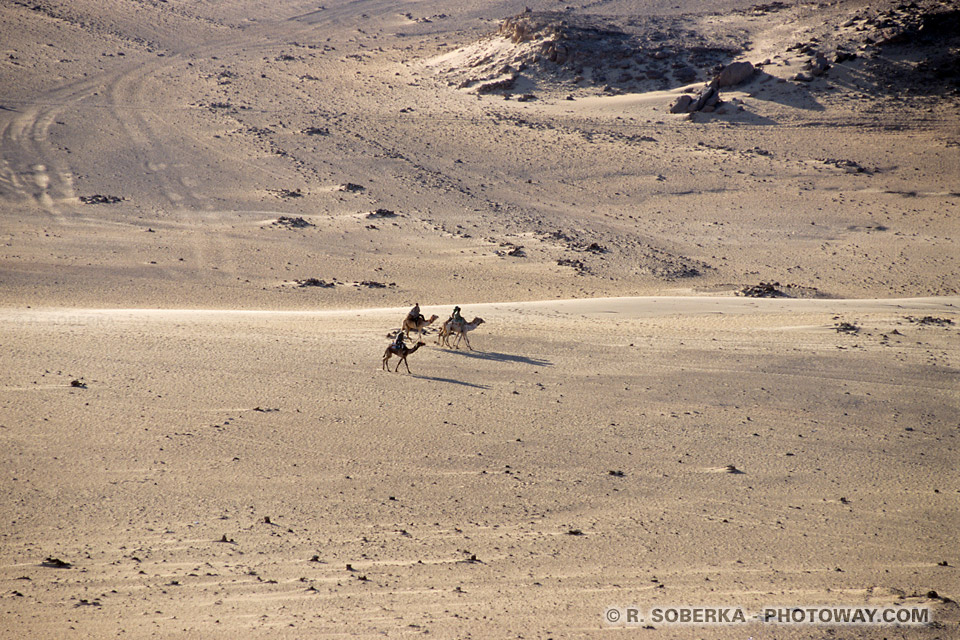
[415,315]
[456,317]
[398,342]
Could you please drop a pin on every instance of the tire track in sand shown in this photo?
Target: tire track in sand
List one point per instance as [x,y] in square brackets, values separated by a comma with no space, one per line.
[32,169]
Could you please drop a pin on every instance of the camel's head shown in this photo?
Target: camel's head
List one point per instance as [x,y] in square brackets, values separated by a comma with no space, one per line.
[433,317]
[477,321]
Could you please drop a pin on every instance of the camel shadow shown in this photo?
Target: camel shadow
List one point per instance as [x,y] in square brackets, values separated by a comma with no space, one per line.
[501,357]
[451,381]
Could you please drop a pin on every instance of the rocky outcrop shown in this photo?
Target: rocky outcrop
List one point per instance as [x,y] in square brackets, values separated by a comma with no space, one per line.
[709,97]
[564,52]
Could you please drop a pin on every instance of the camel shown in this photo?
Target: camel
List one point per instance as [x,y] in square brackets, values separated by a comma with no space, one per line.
[415,324]
[450,327]
[402,352]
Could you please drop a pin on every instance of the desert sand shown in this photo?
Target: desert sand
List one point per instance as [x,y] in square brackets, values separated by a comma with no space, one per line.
[719,358]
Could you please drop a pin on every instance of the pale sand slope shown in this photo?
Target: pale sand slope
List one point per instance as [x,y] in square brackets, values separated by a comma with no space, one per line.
[216,112]
[196,426]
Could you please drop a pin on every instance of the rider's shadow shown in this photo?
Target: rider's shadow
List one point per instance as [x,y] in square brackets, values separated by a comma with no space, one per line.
[502,357]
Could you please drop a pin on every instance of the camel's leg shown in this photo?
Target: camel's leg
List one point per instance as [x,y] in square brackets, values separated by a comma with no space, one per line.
[406,364]
[467,340]
[386,356]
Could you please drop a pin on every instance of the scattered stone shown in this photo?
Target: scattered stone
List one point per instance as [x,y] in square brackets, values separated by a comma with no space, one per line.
[286,193]
[732,469]
[294,223]
[88,603]
[372,284]
[79,384]
[574,532]
[817,65]
[763,290]
[843,56]
[351,187]
[576,264]
[316,131]
[100,199]
[850,166]
[315,282]
[846,327]
[55,563]
[616,473]
[512,250]
[503,84]
[382,213]
[593,247]
[931,320]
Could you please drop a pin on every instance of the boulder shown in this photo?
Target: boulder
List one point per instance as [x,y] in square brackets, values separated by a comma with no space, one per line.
[734,73]
[682,105]
[709,97]
[818,65]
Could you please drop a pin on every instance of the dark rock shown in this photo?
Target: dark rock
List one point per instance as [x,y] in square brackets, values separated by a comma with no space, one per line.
[682,105]
[734,74]
[295,223]
[764,290]
[818,65]
[931,320]
[846,327]
[315,282]
[56,563]
[709,97]
[100,199]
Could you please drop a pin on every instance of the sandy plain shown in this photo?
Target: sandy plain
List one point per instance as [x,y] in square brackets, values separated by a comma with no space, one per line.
[232,461]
